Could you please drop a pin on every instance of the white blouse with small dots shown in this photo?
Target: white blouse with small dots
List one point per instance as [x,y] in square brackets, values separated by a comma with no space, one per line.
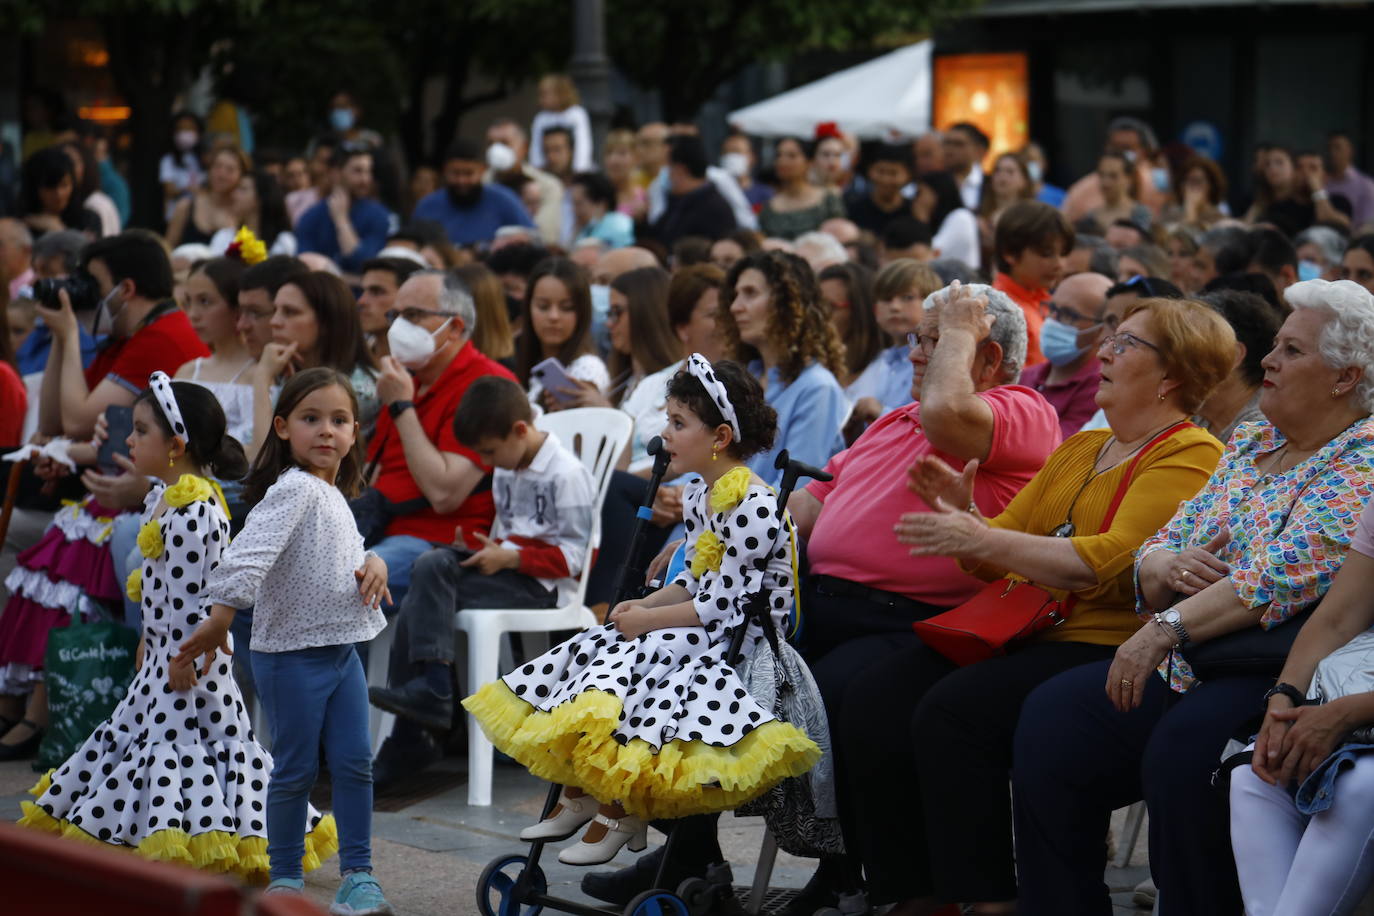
[294,564]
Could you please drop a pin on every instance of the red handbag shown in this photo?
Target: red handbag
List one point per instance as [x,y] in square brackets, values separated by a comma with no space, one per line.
[1012,608]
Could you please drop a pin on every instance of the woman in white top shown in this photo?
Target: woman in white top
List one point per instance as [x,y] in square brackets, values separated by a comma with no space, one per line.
[210,207]
[558,103]
[180,169]
[212,293]
[940,206]
[260,205]
[558,325]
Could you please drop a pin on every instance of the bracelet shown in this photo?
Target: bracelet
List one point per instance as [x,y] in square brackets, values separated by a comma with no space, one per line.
[1288,690]
[1169,631]
[1321,194]
[396,408]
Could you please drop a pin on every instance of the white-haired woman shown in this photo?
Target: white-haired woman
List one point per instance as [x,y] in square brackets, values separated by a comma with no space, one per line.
[944,732]
[1320,250]
[1258,545]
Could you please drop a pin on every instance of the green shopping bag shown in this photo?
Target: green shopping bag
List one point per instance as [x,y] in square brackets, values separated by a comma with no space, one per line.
[87,667]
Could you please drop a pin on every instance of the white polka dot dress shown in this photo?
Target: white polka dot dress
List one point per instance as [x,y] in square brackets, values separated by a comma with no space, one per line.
[661,723]
[175,775]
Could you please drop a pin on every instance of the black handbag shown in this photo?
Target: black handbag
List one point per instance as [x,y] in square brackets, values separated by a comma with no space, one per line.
[1248,652]
[373,512]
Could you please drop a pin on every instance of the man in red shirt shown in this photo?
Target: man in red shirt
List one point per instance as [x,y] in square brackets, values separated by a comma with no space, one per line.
[439,484]
[147,332]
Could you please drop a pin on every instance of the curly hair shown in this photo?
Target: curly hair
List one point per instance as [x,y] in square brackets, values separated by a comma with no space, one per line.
[1347,338]
[799,328]
[758,421]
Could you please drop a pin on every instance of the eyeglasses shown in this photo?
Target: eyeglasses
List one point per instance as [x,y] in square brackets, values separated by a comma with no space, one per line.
[615,312]
[416,315]
[1122,341]
[927,343]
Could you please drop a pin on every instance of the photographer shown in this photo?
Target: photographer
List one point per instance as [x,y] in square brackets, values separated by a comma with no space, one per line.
[130,277]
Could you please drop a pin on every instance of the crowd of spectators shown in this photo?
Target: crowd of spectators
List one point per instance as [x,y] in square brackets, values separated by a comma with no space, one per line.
[981,359]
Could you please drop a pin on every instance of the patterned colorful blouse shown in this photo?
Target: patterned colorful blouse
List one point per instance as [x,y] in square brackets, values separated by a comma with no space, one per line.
[1289,531]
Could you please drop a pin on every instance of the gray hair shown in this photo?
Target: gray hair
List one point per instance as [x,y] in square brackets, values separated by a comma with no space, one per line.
[1008,324]
[454,297]
[1347,338]
[823,245]
[67,244]
[1331,242]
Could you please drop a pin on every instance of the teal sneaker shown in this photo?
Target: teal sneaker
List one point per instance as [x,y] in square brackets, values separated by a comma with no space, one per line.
[360,895]
[285,886]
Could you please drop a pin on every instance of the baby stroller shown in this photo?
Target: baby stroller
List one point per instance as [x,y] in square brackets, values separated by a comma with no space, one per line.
[515,885]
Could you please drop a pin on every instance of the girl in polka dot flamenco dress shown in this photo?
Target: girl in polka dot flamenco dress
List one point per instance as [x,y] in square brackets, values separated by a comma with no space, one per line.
[642,718]
[175,773]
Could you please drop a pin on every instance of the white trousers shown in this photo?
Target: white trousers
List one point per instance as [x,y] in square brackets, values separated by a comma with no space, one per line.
[1291,864]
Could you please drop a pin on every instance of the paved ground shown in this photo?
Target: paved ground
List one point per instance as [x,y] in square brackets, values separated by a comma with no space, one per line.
[429,855]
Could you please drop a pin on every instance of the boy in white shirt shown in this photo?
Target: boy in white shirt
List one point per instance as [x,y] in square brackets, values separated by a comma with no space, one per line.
[544,512]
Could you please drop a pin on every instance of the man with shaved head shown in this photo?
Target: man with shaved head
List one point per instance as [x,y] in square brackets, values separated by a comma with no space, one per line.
[622,260]
[1069,339]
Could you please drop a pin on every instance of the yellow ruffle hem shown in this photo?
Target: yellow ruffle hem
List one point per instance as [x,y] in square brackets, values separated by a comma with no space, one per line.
[213,851]
[574,745]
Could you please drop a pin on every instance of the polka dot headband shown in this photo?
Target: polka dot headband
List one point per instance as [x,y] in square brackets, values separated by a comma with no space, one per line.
[701,371]
[162,390]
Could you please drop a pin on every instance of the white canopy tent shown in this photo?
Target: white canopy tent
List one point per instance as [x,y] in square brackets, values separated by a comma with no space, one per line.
[883,97]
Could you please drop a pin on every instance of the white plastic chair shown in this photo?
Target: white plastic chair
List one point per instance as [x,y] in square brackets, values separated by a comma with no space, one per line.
[597,435]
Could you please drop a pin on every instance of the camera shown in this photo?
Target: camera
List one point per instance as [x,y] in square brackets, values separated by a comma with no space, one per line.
[81,289]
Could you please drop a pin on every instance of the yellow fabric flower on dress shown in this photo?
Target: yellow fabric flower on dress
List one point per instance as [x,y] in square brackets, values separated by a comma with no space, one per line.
[708,554]
[133,586]
[247,247]
[150,539]
[729,491]
[187,490]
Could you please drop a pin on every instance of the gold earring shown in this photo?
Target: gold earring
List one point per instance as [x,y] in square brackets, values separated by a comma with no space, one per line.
[714,456]
[1335,392]
[171,460]
[1161,397]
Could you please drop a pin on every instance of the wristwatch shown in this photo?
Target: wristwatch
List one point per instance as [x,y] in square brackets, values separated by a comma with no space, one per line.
[1172,621]
[1287,690]
[396,408]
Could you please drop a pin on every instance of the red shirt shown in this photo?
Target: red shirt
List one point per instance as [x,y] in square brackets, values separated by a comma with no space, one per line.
[164,343]
[853,537]
[1074,399]
[14,402]
[436,408]
[1032,302]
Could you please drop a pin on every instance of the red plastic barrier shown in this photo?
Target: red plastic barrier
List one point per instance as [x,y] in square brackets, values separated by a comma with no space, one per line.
[45,875]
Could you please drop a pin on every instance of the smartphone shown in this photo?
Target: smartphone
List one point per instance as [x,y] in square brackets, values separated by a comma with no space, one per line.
[120,422]
[555,379]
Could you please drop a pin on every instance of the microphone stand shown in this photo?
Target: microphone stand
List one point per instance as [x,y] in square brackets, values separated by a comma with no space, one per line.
[629,582]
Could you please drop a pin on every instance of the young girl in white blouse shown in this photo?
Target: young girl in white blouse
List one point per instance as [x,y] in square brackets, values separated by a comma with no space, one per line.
[299,563]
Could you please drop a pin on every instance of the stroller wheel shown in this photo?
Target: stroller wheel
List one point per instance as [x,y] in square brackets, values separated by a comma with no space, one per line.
[496,887]
[657,903]
[699,894]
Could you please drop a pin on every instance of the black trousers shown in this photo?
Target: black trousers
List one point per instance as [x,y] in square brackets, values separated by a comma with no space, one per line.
[624,495]
[927,752]
[1078,759]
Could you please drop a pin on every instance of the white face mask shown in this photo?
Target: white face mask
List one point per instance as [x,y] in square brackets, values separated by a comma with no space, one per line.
[500,158]
[185,140]
[105,312]
[737,164]
[412,345]
[1035,171]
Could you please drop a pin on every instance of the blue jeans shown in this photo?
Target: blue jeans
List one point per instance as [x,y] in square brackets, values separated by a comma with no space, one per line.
[311,694]
[400,551]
